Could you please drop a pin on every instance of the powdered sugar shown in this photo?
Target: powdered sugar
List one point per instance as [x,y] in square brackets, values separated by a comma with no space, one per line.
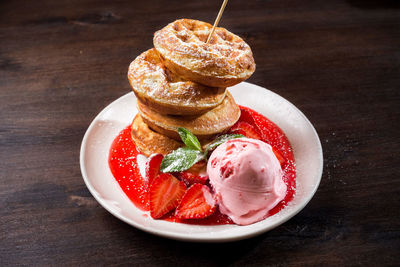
[183,42]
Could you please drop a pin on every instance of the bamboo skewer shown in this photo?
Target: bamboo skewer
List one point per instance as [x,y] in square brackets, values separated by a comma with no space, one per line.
[217,20]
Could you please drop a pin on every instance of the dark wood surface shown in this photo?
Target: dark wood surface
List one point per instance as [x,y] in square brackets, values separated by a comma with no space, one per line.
[61,62]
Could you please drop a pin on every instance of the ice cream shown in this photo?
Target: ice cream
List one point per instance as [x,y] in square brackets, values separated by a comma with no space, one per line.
[247,179]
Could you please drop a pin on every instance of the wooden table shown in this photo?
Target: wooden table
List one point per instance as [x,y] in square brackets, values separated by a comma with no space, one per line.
[61,62]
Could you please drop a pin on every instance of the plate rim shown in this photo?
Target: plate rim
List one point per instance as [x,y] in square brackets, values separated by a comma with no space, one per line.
[198,237]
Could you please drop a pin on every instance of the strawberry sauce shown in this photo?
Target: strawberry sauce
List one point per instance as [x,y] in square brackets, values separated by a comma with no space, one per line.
[124,167]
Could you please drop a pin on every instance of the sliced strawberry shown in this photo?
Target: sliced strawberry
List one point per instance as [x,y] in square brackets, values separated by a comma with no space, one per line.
[197,203]
[153,167]
[191,178]
[197,174]
[245,116]
[246,129]
[165,193]
[279,156]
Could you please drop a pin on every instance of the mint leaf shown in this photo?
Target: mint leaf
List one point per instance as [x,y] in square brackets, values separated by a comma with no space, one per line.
[220,140]
[189,139]
[181,159]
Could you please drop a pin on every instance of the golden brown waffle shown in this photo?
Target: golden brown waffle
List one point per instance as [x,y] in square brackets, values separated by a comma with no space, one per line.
[225,61]
[148,142]
[205,126]
[158,88]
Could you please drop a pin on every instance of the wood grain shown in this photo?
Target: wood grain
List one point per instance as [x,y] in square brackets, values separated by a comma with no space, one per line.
[61,62]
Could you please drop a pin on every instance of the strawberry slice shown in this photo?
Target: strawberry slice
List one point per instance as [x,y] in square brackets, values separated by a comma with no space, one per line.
[195,175]
[197,203]
[191,178]
[246,129]
[245,116]
[165,193]
[279,156]
[153,167]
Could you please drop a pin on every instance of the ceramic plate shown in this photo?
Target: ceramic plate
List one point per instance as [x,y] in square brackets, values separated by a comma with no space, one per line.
[120,113]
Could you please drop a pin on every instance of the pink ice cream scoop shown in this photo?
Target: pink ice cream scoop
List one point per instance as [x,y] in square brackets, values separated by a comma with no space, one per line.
[247,179]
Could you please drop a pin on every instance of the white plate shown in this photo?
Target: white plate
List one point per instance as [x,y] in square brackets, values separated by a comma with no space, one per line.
[120,113]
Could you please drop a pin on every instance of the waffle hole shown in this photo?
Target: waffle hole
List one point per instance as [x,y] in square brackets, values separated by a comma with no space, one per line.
[177,27]
[188,25]
[184,38]
[229,37]
[225,36]
[201,36]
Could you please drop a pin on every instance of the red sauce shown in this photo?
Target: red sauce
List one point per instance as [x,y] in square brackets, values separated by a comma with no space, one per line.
[123,165]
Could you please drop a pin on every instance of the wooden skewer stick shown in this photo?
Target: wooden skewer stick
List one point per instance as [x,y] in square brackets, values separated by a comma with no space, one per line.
[217,20]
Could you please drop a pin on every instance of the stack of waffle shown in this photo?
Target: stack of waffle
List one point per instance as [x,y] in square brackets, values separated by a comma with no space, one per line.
[182,83]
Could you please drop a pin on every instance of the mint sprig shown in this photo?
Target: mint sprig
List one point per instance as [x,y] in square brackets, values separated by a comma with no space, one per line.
[183,158]
[219,141]
[189,139]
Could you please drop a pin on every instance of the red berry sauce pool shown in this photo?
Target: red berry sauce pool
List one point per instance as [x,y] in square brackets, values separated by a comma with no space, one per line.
[124,167]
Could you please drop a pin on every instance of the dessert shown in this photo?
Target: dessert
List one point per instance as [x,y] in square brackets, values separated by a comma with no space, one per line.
[247,179]
[210,160]
[160,89]
[225,61]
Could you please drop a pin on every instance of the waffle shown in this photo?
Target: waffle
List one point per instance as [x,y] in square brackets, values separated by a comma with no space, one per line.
[182,83]
[225,61]
[148,142]
[205,126]
[163,91]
